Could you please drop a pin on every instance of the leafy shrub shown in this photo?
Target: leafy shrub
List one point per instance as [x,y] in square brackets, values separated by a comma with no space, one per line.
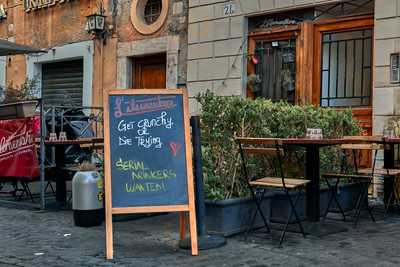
[223,116]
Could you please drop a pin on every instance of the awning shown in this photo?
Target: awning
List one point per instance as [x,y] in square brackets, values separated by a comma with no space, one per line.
[9,48]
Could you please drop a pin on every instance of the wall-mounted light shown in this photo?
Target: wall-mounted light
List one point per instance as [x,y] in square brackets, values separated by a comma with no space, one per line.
[96,24]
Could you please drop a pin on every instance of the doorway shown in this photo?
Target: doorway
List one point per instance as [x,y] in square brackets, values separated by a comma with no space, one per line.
[276,70]
[149,72]
[343,67]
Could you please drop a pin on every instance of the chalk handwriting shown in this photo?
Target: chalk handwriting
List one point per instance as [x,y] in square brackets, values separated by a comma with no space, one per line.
[135,107]
[125,126]
[153,174]
[160,121]
[149,141]
[145,187]
[124,141]
[129,165]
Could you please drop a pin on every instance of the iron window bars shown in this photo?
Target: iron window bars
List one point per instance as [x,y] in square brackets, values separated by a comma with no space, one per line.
[346,68]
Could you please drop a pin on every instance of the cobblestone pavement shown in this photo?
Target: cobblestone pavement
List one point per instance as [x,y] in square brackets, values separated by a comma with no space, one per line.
[35,238]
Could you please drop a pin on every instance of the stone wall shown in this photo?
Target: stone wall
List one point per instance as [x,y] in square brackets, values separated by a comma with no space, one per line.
[386,95]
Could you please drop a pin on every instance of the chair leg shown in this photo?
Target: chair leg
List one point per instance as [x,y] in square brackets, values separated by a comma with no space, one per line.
[333,189]
[391,199]
[335,196]
[363,194]
[250,225]
[369,209]
[297,215]
[329,204]
[293,212]
[330,199]
[51,187]
[28,191]
[258,209]
[388,204]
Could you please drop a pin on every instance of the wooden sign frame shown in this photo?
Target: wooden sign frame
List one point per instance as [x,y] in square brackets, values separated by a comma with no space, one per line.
[190,207]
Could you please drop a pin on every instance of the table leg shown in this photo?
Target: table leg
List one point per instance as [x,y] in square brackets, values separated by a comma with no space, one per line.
[312,191]
[61,184]
[388,181]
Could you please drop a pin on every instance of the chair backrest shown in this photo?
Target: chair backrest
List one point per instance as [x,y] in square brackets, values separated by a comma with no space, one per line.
[272,147]
[356,146]
[359,146]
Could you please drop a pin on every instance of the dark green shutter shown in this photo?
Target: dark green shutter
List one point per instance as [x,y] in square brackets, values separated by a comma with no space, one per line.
[62,83]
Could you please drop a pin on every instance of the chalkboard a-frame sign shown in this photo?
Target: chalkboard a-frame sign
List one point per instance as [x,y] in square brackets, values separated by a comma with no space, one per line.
[147,156]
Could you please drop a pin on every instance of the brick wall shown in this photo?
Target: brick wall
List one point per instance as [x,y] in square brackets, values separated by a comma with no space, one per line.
[65,23]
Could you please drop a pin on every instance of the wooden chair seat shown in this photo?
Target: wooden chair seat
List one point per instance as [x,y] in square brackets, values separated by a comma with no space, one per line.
[344,175]
[380,171]
[277,182]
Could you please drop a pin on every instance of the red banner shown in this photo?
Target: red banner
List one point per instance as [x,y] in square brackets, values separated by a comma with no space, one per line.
[18,156]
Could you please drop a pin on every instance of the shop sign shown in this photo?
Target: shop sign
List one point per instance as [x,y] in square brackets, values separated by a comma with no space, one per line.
[18,156]
[31,5]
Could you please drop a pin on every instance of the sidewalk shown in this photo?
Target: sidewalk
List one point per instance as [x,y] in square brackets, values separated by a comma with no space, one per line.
[34,238]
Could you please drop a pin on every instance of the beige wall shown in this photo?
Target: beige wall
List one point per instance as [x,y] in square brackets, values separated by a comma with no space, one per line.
[217,43]
[387,40]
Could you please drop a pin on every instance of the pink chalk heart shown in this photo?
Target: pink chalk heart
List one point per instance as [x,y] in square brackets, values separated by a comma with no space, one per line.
[175,148]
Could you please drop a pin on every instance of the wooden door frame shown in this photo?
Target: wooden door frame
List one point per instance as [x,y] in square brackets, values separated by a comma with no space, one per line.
[337,25]
[362,114]
[308,53]
[277,34]
[302,33]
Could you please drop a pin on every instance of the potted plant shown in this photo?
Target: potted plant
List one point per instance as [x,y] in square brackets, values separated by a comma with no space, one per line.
[228,205]
[18,101]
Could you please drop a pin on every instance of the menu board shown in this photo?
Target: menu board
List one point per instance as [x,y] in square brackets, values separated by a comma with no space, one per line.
[147,157]
[148,154]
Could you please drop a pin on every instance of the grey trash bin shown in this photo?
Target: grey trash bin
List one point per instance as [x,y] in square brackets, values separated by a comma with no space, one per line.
[87,198]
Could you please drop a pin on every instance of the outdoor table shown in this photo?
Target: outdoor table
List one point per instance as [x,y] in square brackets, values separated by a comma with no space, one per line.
[312,171]
[60,145]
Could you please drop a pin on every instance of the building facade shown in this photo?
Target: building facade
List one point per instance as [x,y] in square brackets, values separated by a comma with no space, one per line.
[144,45]
[323,52]
[332,53]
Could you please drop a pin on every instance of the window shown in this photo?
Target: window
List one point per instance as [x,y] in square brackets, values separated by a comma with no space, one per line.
[395,68]
[152,11]
[346,68]
[275,70]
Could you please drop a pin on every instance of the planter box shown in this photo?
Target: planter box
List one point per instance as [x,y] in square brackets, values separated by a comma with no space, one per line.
[347,195]
[232,216]
[17,110]
[280,207]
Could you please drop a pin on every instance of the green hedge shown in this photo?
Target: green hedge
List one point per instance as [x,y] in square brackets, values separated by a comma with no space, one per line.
[223,116]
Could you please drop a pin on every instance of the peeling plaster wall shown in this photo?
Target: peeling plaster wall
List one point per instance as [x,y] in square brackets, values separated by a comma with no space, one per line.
[63,24]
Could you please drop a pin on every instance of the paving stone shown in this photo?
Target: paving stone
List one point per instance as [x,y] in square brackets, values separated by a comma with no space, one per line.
[152,241]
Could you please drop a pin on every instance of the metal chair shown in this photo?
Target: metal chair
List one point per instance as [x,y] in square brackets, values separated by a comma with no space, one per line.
[363,179]
[274,149]
[386,173]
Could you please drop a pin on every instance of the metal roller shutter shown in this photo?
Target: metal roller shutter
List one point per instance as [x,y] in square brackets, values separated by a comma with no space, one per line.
[62,83]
